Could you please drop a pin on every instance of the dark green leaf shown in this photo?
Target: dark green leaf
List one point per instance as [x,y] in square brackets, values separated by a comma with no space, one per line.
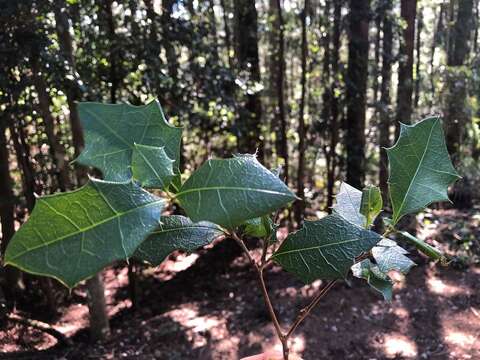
[371,204]
[71,236]
[151,167]
[420,168]
[111,130]
[230,191]
[176,233]
[324,249]
[348,204]
[378,280]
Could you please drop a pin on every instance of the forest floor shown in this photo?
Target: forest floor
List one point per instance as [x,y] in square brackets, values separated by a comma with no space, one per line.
[207,306]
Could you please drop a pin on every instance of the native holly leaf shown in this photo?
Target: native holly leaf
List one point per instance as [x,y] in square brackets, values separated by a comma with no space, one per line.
[348,204]
[176,233]
[420,168]
[389,256]
[371,204]
[71,236]
[324,249]
[229,191]
[111,130]
[152,167]
[378,280]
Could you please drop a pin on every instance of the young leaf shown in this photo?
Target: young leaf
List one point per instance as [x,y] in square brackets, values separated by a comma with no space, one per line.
[258,227]
[420,168]
[389,256]
[377,280]
[227,192]
[324,249]
[71,236]
[176,233]
[152,167]
[371,204]
[348,204]
[111,130]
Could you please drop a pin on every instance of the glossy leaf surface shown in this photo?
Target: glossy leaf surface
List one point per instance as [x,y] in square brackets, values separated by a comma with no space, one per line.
[420,168]
[176,233]
[389,256]
[151,167]
[71,236]
[348,202]
[111,130]
[324,249]
[230,191]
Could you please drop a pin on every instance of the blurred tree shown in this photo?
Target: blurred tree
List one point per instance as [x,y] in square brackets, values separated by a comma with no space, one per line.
[356,90]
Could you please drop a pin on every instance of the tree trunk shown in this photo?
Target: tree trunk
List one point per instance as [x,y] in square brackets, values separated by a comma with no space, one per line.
[228,36]
[456,113]
[408,13]
[99,326]
[280,113]
[248,69]
[300,205]
[71,89]
[7,212]
[385,108]
[356,91]
[418,43]
[333,99]
[56,149]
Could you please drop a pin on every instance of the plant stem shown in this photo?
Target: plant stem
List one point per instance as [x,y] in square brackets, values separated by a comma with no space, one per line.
[307,309]
[283,337]
[268,302]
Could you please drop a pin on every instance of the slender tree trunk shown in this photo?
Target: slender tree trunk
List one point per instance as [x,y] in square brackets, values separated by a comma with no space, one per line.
[248,68]
[334,101]
[7,212]
[418,77]
[436,40]
[228,36]
[281,116]
[71,89]
[385,108]
[356,91]
[22,151]
[56,149]
[300,205]
[456,112]
[408,13]
[99,325]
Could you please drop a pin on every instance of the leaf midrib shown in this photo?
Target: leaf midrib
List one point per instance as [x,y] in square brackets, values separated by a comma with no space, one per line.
[397,216]
[81,230]
[215,188]
[316,247]
[186,228]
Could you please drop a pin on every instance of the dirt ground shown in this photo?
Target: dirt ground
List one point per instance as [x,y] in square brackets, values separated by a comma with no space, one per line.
[207,306]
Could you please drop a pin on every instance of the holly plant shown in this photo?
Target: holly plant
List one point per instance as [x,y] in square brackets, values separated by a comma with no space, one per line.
[71,236]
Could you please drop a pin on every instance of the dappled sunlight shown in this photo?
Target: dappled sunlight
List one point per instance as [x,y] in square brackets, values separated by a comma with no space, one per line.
[461,339]
[399,345]
[196,326]
[442,288]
